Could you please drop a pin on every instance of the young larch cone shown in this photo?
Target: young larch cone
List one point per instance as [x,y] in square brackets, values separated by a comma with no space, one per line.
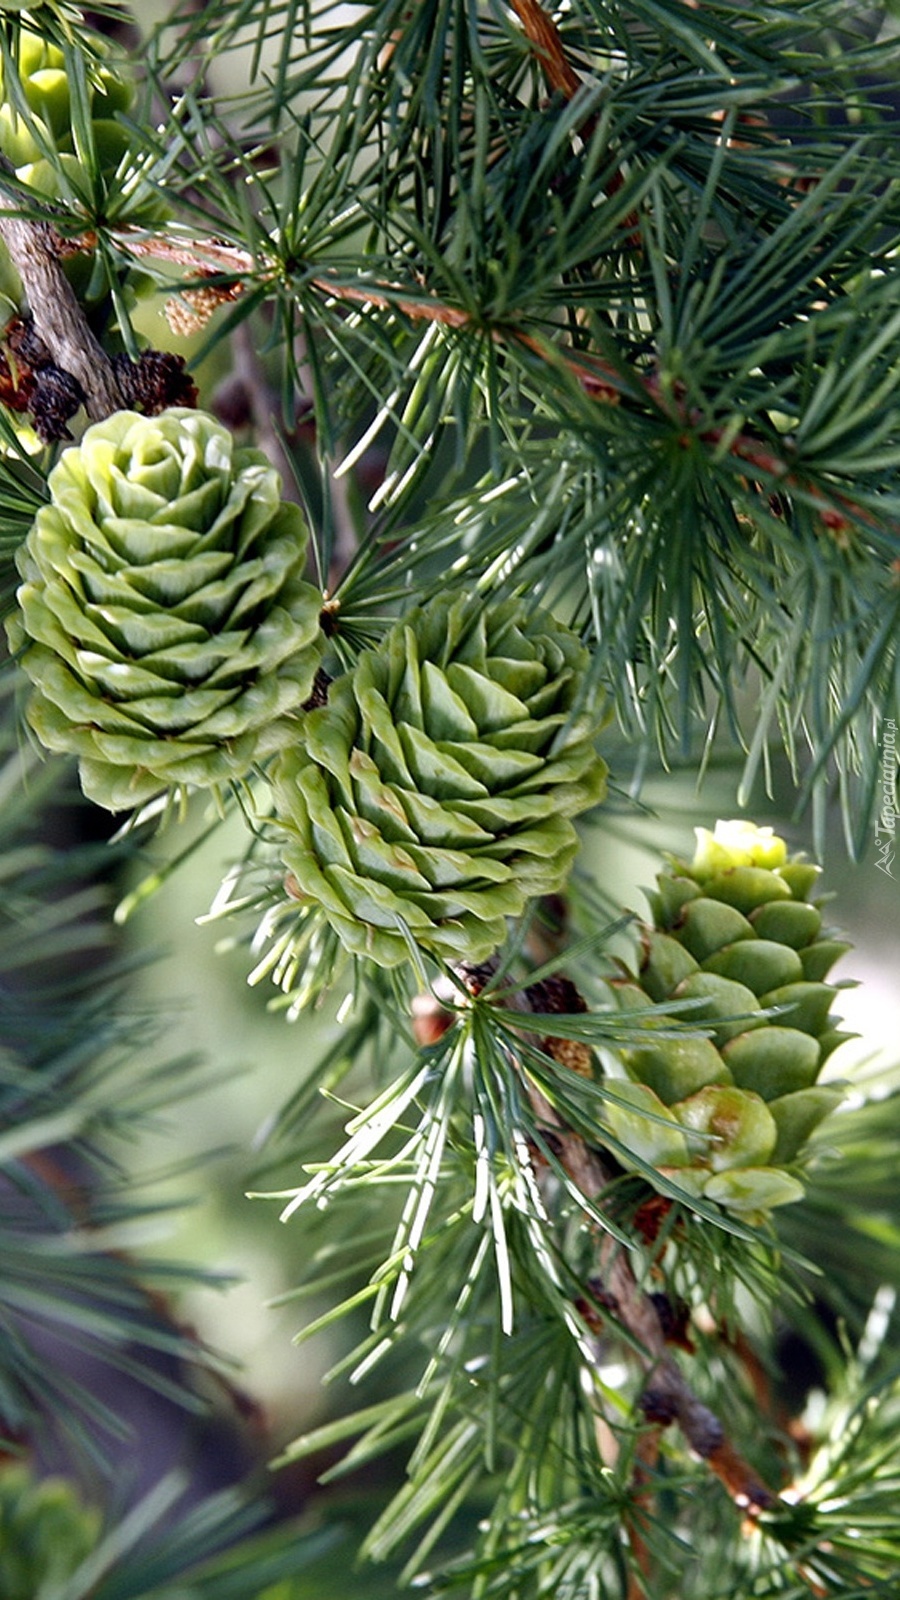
[163,619]
[735,932]
[432,795]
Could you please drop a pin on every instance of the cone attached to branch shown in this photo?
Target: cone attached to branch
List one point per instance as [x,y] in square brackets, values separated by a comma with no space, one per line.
[735,933]
[164,620]
[36,115]
[432,795]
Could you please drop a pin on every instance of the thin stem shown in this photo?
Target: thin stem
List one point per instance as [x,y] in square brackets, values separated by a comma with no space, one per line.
[667,1395]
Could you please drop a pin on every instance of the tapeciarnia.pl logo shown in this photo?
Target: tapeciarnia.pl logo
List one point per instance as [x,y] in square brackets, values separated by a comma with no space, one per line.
[886,821]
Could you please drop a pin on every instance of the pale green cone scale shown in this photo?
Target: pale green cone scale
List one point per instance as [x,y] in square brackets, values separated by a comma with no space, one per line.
[773,1061]
[735,934]
[735,1129]
[818,959]
[787,922]
[721,1002]
[665,964]
[797,1114]
[806,1005]
[753,1191]
[745,888]
[434,790]
[171,647]
[705,925]
[759,964]
[646,1126]
[676,1068]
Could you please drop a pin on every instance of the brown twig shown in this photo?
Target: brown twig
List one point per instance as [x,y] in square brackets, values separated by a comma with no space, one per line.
[34,249]
[543,35]
[667,1396]
[599,379]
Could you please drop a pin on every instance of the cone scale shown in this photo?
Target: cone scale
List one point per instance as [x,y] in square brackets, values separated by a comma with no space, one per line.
[735,933]
[432,795]
[163,617]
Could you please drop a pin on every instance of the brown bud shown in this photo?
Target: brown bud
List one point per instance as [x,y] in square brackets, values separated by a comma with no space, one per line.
[430,1020]
[571,1053]
[658,1406]
[156,381]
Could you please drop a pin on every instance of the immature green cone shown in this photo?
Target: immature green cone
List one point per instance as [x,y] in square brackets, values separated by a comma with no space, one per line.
[734,931]
[434,790]
[164,620]
[62,157]
[44,123]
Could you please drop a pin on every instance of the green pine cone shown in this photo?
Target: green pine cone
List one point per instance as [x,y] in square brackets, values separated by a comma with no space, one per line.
[44,86]
[735,932]
[164,620]
[435,788]
[45,1533]
[39,140]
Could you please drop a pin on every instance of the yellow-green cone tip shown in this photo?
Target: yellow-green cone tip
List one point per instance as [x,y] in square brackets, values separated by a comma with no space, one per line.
[735,932]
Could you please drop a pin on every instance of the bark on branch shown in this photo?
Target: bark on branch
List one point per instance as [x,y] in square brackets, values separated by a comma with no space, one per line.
[34,249]
[667,1396]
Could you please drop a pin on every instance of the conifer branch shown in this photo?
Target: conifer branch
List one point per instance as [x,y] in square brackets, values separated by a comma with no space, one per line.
[667,1396]
[586,311]
[59,320]
[599,379]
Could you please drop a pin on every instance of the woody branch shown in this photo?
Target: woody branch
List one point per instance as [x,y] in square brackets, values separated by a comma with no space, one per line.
[34,248]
